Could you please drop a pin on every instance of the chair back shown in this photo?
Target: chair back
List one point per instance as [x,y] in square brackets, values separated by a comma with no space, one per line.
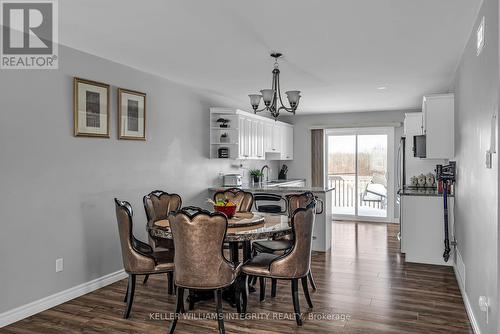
[198,237]
[296,201]
[242,199]
[296,262]
[158,204]
[134,261]
[279,203]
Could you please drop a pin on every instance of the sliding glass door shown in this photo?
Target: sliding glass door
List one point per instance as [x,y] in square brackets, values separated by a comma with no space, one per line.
[360,163]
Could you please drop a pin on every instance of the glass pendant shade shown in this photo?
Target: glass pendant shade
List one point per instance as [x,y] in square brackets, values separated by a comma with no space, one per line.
[267,95]
[255,99]
[293,96]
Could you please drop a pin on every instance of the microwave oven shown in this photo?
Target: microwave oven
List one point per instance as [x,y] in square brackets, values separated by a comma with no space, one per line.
[419,144]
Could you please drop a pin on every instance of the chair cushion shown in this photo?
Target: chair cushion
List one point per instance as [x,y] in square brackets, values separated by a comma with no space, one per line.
[272,246]
[259,264]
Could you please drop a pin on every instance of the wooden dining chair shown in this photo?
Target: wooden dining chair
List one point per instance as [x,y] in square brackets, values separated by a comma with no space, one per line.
[273,203]
[138,257]
[199,260]
[242,199]
[280,246]
[157,205]
[294,264]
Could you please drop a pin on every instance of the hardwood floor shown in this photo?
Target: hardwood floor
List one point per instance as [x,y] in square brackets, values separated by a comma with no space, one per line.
[363,287]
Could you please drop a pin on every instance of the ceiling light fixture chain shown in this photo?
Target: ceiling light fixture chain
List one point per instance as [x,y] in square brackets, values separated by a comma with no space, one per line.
[271,96]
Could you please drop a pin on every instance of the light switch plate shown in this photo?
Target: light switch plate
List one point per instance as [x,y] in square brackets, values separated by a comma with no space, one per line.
[59,265]
[488,159]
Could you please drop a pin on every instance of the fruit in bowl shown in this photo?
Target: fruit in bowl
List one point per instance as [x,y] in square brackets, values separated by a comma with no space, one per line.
[226,207]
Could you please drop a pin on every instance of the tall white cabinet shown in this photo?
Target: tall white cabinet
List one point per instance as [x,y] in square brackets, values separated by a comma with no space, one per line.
[249,136]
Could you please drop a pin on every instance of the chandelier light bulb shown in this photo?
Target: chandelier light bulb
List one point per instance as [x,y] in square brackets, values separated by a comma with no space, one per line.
[293,96]
[267,95]
[255,100]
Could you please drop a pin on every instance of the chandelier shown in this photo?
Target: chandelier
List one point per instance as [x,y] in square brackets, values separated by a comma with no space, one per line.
[271,96]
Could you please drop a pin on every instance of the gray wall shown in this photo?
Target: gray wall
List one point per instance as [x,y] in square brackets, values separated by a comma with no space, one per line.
[476,212]
[57,191]
[301,165]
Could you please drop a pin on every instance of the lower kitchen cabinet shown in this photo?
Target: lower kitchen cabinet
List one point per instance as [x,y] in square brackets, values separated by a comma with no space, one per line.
[422,229]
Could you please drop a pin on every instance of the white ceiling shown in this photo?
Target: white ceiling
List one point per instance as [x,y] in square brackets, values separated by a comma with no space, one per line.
[336,52]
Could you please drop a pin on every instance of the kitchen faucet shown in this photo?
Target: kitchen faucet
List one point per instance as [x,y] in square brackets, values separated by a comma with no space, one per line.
[267,174]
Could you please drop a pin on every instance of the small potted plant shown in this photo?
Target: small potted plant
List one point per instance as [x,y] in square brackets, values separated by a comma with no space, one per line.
[223,122]
[256,174]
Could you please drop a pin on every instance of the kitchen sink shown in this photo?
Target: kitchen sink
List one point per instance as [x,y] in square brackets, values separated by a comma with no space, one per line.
[283,183]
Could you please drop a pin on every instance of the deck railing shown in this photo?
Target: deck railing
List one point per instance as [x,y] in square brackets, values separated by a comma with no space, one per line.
[344,193]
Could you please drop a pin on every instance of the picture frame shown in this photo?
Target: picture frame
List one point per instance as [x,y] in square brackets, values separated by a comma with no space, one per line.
[91,108]
[131,114]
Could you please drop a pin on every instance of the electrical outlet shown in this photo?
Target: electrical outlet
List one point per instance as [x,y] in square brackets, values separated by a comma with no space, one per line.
[59,265]
[484,305]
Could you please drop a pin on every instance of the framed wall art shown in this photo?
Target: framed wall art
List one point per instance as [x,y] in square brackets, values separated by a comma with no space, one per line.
[131,114]
[91,108]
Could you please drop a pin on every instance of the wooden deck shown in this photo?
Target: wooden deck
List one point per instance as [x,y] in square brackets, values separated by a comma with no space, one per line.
[363,287]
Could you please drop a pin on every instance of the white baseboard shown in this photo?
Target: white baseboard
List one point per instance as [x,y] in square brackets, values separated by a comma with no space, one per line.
[461,285]
[43,304]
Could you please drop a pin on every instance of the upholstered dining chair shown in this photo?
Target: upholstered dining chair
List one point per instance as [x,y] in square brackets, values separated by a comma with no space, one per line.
[294,264]
[158,204]
[199,261]
[273,203]
[242,199]
[138,257]
[294,201]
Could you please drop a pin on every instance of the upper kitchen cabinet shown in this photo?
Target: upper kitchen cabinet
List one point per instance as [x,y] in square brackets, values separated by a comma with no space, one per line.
[413,124]
[438,116]
[251,138]
[272,136]
[286,142]
[434,126]
[236,134]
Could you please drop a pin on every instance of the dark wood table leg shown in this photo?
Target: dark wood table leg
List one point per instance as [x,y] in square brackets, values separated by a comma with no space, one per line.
[247,250]
[234,252]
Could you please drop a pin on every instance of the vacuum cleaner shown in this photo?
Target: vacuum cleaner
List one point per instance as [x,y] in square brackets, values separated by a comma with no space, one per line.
[446,175]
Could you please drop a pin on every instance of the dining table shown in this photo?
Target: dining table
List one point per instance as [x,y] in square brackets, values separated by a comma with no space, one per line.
[243,228]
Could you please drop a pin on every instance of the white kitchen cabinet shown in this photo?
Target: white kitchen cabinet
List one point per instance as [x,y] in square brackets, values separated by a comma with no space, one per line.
[268,136]
[251,136]
[413,124]
[244,138]
[251,143]
[286,142]
[438,115]
[276,138]
[422,229]
[260,140]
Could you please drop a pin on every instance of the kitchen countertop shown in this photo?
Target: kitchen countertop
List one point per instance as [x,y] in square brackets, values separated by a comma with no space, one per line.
[282,188]
[415,191]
